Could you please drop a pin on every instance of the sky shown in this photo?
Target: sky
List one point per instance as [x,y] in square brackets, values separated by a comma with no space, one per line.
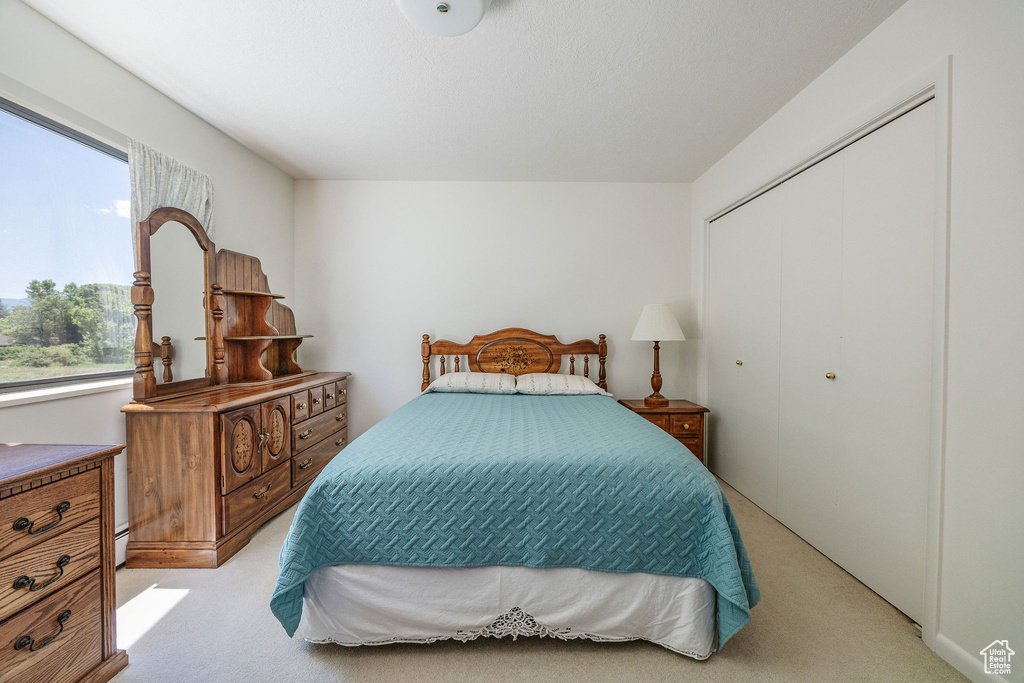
[63,211]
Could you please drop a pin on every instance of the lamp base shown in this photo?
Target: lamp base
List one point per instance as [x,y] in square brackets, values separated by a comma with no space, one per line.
[655,401]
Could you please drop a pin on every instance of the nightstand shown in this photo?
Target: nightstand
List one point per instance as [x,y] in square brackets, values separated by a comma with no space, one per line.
[682,419]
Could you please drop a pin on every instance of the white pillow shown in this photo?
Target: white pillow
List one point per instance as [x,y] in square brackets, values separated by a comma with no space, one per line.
[546,383]
[473,383]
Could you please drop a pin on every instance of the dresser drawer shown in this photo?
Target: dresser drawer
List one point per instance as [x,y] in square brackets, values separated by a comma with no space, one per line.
[47,567]
[318,428]
[65,629]
[250,499]
[300,406]
[309,464]
[316,401]
[330,396]
[47,511]
[685,425]
[660,420]
[341,388]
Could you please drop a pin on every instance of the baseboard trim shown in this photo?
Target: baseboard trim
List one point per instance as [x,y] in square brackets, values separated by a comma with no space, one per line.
[964,662]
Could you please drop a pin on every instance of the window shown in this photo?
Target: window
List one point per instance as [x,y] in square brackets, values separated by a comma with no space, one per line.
[66,257]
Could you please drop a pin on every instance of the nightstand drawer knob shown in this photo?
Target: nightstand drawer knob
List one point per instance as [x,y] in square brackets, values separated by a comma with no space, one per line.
[830,375]
[686,425]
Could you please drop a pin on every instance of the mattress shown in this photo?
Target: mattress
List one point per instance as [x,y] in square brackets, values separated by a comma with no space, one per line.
[547,482]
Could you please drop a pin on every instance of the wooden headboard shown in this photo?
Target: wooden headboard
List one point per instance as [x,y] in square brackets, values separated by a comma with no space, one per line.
[516,351]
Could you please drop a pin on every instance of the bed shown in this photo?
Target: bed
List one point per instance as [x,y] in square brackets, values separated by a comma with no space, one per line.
[491,512]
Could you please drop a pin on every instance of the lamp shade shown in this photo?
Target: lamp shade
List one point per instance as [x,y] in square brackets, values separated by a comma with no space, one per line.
[444,17]
[657,323]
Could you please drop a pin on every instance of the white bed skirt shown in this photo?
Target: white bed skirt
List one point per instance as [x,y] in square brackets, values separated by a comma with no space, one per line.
[375,605]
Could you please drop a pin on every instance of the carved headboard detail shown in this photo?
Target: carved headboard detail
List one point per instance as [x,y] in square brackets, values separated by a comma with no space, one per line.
[517,351]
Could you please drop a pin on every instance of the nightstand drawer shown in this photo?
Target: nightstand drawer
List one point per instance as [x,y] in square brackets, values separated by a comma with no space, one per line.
[685,425]
[34,516]
[659,420]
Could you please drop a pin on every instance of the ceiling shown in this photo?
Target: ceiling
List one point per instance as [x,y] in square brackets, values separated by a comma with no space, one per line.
[541,90]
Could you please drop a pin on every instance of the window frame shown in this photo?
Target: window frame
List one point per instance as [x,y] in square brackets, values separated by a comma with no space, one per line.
[49,124]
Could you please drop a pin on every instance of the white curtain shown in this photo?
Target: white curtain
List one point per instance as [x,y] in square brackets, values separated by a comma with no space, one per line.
[158,180]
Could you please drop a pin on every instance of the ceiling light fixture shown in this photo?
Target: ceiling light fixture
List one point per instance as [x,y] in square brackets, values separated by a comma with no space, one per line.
[450,18]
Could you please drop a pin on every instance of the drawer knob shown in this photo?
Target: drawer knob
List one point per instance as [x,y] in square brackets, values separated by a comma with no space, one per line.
[22,523]
[262,493]
[339,417]
[29,641]
[23,581]
[316,401]
[306,434]
[830,375]
[686,425]
[300,406]
[344,392]
[330,397]
[306,463]
[340,442]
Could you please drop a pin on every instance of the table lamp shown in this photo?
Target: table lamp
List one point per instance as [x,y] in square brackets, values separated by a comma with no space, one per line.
[657,324]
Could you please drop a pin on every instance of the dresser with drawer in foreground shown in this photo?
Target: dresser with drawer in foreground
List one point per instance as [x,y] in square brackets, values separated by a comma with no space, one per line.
[57,597]
[206,470]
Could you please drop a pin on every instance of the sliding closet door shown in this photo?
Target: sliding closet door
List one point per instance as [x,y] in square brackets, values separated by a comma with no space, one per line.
[809,424]
[885,380]
[743,330]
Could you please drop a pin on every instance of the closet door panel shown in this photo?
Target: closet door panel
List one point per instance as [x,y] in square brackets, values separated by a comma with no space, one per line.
[885,380]
[744,326]
[809,427]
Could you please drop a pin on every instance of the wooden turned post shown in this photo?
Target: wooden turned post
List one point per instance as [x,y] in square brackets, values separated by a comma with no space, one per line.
[457,357]
[602,353]
[167,356]
[586,366]
[219,373]
[425,351]
[144,381]
[656,399]
[572,364]
[442,366]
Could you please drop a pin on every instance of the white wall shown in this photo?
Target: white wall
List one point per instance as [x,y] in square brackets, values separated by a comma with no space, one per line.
[379,264]
[47,69]
[982,542]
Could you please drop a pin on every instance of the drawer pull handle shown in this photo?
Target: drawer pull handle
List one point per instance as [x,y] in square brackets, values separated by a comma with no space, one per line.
[306,434]
[344,392]
[315,401]
[262,493]
[306,463]
[330,397]
[340,442]
[339,417]
[300,406]
[21,524]
[29,641]
[25,582]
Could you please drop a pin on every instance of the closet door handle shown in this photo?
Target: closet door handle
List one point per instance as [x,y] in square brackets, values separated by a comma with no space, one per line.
[739,362]
[830,375]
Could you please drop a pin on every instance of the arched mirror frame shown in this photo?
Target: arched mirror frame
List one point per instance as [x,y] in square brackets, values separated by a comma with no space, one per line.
[145,386]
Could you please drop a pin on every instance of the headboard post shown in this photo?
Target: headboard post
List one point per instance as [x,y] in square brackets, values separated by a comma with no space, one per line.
[602,353]
[425,351]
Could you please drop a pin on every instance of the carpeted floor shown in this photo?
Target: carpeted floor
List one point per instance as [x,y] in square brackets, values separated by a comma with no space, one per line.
[814,623]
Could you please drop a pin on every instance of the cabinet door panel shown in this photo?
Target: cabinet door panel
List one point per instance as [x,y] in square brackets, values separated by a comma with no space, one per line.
[743,326]
[812,242]
[888,257]
[240,447]
[277,439]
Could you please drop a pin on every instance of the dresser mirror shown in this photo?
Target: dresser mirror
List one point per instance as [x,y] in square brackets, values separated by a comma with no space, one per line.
[173,339]
[179,284]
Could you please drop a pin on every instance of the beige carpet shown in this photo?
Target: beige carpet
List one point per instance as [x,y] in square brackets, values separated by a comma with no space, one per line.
[814,623]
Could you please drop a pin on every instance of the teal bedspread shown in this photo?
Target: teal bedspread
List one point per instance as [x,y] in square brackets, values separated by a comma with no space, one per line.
[468,480]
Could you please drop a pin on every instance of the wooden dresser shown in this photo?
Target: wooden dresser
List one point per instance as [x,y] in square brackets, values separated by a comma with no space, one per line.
[206,470]
[57,597]
[682,419]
